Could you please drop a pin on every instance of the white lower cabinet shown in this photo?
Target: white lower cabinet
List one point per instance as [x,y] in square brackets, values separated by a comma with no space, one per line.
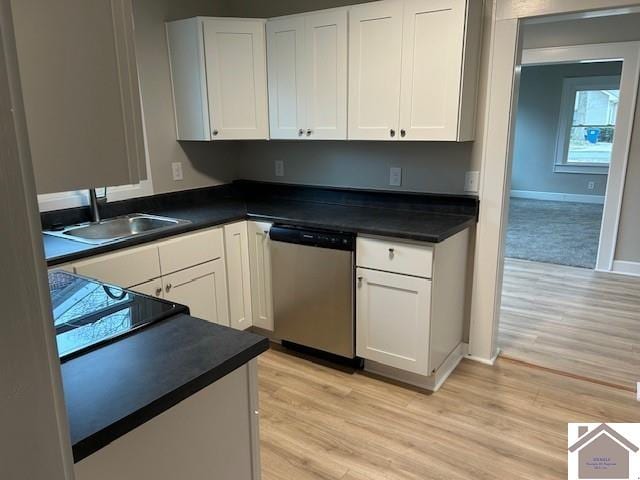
[393,317]
[236,242]
[203,289]
[260,267]
[152,288]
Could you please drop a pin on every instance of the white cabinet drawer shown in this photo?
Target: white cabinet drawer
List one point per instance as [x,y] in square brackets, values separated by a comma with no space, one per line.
[191,249]
[394,256]
[125,269]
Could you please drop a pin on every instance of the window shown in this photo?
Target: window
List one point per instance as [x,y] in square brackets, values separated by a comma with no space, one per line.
[587,124]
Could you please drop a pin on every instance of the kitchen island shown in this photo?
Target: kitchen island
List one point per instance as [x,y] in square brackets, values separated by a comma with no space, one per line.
[176,398]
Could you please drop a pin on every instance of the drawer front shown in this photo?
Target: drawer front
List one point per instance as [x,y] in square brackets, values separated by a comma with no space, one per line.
[125,269]
[189,250]
[395,256]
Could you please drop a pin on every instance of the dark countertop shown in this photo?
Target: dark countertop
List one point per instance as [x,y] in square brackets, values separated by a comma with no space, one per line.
[432,227]
[112,390]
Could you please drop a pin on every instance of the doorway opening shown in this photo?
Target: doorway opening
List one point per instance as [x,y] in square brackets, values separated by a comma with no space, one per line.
[561,307]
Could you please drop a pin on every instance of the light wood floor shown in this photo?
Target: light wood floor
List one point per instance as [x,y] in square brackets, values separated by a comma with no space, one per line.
[572,319]
[502,422]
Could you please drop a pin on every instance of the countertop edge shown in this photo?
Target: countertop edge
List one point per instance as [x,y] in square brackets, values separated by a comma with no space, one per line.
[102,438]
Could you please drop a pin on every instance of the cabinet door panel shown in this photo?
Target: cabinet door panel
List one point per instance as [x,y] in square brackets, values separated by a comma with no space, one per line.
[191,249]
[238,278]
[203,289]
[375,46]
[236,68]
[326,54]
[260,266]
[286,63]
[393,320]
[431,68]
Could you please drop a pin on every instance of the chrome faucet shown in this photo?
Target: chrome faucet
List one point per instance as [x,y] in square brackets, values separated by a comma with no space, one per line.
[94,204]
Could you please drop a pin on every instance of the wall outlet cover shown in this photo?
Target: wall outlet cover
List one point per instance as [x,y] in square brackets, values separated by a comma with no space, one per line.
[176,170]
[279,168]
[395,176]
[472,181]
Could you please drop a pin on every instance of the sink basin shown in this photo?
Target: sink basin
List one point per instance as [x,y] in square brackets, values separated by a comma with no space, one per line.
[117,229]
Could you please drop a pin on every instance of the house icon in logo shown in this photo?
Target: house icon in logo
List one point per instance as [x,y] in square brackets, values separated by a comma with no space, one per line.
[602,453]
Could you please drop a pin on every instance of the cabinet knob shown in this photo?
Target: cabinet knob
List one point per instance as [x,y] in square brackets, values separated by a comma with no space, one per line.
[158,291]
[168,288]
[309,132]
[215,132]
[300,132]
[392,132]
[392,252]
[403,133]
[360,282]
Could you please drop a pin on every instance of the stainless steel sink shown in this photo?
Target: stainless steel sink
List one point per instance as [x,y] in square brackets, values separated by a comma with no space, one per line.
[117,229]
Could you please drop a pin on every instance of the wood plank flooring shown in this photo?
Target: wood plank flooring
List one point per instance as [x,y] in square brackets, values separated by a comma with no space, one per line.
[506,421]
[574,320]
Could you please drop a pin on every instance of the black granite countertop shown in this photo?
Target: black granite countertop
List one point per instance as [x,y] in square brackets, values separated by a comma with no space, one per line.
[428,218]
[112,390]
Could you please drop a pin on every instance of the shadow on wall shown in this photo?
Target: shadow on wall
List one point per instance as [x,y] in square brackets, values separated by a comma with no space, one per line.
[437,167]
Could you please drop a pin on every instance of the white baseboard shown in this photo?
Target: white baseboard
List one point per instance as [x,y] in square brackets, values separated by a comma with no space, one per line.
[432,382]
[558,197]
[486,361]
[626,268]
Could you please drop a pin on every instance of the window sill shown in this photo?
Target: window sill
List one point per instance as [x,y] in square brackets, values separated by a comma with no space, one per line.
[583,169]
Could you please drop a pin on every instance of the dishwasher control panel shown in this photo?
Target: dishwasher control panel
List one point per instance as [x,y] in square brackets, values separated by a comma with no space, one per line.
[312,237]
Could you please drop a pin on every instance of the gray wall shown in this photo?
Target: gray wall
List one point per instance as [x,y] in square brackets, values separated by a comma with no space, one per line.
[537,127]
[427,166]
[599,30]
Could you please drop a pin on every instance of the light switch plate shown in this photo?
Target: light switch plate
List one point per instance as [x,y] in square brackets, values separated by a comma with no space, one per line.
[279,168]
[395,176]
[472,181]
[176,170]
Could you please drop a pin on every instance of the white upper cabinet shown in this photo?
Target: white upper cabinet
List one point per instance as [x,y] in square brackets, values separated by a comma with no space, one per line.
[219,77]
[286,67]
[413,70]
[375,50]
[307,59]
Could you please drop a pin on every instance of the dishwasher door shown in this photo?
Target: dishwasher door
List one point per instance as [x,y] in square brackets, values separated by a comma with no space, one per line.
[313,297]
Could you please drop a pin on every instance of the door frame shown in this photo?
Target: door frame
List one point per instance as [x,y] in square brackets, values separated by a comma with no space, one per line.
[629,53]
[495,147]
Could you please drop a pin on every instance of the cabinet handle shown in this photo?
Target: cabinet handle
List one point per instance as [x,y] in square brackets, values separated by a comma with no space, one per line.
[158,291]
[215,133]
[168,288]
[300,132]
[392,252]
[309,132]
[360,282]
[403,133]
[392,132]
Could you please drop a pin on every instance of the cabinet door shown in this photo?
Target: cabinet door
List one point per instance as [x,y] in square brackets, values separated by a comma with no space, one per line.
[431,68]
[125,269]
[392,320]
[326,55]
[191,249]
[375,51]
[236,244]
[260,267]
[203,289]
[152,288]
[286,63]
[235,55]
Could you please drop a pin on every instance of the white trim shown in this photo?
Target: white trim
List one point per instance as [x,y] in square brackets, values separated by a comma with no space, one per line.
[584,169]
[491,361]
[626,268]
[558,197]
[432,382]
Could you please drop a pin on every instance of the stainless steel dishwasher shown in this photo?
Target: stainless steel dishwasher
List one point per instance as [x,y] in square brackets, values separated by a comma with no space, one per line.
[313,277]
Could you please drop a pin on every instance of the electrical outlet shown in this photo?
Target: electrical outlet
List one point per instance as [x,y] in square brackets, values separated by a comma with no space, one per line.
[591,185]
[472,181]
[176,169]
[279,168]
[395,176]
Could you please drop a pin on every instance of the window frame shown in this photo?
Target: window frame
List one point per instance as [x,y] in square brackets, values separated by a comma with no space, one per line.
[570,87]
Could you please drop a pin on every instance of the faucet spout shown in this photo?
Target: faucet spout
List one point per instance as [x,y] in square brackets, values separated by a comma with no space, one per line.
[94,205]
